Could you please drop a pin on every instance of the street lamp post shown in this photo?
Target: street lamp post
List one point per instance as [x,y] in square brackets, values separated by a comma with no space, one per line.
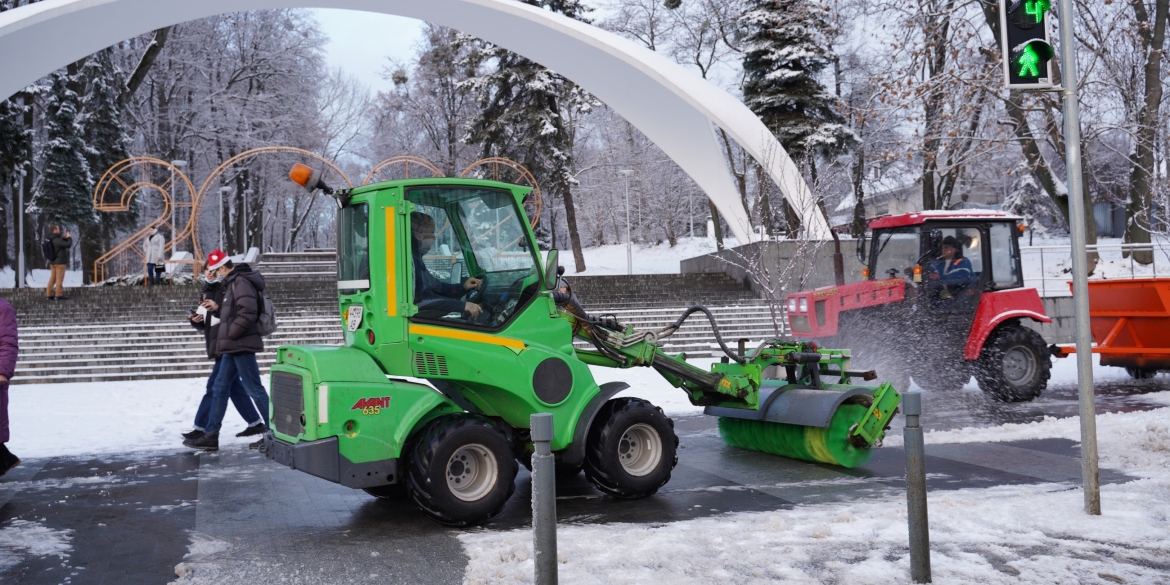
[247,195]
[629,245]
[222,191]
[174,241]
[20,229]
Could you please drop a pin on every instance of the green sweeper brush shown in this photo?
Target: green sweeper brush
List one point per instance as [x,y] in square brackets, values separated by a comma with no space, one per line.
[773,399]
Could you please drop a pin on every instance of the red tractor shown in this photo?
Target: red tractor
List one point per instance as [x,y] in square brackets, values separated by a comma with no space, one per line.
[942,299]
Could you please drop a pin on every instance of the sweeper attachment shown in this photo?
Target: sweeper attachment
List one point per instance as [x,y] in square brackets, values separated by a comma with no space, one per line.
[456,331]
[798,415]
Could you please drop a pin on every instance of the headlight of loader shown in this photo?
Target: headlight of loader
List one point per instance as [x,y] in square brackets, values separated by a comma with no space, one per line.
[803,305]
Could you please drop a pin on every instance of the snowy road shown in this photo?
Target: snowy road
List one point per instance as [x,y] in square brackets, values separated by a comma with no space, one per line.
[104,497]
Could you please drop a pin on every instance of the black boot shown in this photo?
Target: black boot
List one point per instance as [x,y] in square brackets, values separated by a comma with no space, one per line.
[206,442]
[7,459]
[192,434]
[256,429]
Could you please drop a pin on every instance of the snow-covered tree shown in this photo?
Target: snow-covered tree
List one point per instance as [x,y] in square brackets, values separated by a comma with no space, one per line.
[524,115]
[64,192]
[15,147]
[786,49]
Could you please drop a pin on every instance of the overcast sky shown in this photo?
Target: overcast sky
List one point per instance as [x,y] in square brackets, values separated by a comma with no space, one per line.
[360,42]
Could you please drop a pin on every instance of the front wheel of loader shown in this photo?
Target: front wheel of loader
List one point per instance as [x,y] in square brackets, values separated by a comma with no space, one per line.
[462,470]
[630,449]
[1014,366]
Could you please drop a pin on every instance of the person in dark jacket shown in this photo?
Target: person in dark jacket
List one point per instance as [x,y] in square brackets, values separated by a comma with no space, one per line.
[236,342]
[433,297]
[57,264]
[212,291]
[8,352]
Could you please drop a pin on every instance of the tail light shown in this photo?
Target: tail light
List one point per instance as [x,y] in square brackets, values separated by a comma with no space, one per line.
[370,336]
[917,273]
[864,274]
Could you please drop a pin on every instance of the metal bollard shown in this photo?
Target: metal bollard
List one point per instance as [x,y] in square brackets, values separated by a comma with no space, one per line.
[916,489]
[544,501]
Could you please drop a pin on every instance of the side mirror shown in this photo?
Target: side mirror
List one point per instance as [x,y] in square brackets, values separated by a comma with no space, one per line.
[550,270]
[862,257]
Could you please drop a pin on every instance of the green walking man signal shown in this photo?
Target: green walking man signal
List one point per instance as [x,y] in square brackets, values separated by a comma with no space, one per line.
[1027,52]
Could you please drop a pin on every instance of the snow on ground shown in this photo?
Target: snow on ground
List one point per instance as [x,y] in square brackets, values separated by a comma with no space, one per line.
[1006,534]
[37,278]
[648,259]
[100,418]
[24,538]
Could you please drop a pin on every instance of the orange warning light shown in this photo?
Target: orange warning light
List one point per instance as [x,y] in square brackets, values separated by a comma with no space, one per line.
[300,174]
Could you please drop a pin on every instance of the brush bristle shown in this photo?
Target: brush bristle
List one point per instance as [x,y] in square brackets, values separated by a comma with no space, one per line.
[825,445]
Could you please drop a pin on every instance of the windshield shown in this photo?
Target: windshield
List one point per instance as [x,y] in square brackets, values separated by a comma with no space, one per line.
[353,254]
[896,251]
[470,248]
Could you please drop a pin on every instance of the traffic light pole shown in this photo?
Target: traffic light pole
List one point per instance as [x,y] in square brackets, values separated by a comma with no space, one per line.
[1076,204]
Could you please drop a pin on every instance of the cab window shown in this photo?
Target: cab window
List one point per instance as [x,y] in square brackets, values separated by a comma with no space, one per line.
[353,255]
[1005,261]
[471,263]
[896,251]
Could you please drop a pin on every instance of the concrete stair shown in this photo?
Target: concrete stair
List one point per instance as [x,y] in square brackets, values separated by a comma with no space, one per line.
[134,333]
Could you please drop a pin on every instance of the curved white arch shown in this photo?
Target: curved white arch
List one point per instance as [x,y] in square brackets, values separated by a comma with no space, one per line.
[672,106]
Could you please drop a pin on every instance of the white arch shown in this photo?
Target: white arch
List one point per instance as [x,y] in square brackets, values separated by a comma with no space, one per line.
[672,106]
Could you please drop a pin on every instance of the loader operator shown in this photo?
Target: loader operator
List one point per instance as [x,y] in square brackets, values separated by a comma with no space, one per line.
[433,297]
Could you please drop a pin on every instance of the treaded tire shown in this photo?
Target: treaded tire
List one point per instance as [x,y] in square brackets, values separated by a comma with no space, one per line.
[603,446]
[428,466]
[394,492]
[1020,346]
[1140,373]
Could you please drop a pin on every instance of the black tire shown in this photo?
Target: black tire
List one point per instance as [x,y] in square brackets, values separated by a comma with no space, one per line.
[394,492]
[625,469]
[561,469]
[1140,373]
[1015,365]
[461,471]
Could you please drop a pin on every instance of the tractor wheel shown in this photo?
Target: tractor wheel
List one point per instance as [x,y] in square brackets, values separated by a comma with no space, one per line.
[462,471]
[393,492]
[1014,366]
[1140,373]
[630,449]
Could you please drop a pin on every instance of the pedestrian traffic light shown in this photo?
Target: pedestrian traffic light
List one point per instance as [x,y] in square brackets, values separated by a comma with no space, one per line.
[1027,51]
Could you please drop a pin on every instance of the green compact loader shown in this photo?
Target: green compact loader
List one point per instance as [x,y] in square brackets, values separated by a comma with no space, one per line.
[455,333]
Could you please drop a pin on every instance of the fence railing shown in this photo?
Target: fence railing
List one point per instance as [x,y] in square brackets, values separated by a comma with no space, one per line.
[1049,267]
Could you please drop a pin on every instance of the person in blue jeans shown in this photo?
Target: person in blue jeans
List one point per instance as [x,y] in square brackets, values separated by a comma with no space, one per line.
[236,342]
[214,292]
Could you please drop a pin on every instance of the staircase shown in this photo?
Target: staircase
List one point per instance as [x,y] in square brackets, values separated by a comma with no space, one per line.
[134,333]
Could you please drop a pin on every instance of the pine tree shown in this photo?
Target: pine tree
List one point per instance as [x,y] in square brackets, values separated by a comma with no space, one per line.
[15,145]
[64,193]
[108,144]
[523,116]
[787,47]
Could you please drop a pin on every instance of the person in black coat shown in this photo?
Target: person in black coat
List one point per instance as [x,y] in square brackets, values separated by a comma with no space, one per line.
[236,342]
[213,291]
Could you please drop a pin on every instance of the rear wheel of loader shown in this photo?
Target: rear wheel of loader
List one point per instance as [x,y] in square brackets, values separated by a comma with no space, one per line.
[1014,366]
[631,449]
[393,492]
[1140,373]
[461,471]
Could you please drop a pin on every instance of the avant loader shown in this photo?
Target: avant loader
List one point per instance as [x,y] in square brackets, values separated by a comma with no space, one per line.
[456,332]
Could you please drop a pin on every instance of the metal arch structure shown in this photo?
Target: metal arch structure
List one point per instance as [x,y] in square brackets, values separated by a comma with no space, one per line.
[535,199]
[673,107]
[405,160]
[113,194]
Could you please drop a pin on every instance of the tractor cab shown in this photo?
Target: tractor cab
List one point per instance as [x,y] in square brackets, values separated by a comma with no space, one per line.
[950,259]
[949,284]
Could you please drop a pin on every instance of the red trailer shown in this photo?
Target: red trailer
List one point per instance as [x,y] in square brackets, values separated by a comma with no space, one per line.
[1130,320]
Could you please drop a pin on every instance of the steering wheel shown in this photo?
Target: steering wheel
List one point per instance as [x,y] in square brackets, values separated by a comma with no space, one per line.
[474,295]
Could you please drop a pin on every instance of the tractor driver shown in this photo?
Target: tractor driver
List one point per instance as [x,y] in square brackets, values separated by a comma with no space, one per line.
[952,268]
[433,297]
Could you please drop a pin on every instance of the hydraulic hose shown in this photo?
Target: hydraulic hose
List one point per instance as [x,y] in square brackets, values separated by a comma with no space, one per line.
[670,329]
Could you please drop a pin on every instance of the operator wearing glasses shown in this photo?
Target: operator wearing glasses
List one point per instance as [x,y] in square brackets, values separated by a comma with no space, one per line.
[433,297]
